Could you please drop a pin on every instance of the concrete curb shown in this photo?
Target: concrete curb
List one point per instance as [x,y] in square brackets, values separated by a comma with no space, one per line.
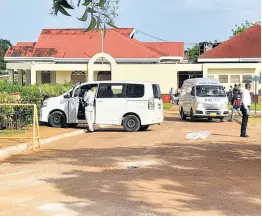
[13,150]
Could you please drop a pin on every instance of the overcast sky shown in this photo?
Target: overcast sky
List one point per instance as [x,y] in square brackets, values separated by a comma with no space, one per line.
[190,21]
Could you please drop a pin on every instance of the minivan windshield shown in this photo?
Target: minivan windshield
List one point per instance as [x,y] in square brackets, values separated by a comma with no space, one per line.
[210,91]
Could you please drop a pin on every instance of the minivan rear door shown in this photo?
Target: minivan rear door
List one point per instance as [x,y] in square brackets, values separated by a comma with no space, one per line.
[158,102]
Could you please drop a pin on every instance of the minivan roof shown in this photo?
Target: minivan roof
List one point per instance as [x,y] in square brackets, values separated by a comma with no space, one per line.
[202,81]
[119,81]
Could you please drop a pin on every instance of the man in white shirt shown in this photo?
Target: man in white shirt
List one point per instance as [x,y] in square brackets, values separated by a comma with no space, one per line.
[89,100]
[245,108]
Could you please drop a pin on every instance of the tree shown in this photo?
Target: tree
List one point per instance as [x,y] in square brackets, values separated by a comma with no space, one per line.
[102,12]
[193,53]
[244,26]
[4,45]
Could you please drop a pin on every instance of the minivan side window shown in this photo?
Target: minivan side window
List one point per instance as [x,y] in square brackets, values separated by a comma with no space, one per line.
[156,91]
[135,90]
[107,90]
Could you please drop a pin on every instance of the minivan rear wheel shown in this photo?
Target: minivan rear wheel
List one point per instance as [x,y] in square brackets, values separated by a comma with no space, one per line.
[57,119]
[131,123]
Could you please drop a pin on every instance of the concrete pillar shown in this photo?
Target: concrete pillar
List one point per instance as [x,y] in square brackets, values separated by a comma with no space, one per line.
[20,77]
[28,77]
[33,75]
[11,76]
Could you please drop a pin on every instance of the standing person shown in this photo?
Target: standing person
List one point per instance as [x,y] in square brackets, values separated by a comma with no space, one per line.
[245,108]
[236,103]
[89,100]
[171,94]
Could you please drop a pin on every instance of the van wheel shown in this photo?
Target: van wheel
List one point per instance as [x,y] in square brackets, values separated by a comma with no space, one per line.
[182,114]
[143,127]
[131,123]
[192,117]
[57,119]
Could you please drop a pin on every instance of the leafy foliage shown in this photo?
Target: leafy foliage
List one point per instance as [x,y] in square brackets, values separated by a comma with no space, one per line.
[102,12]
[4,45]
[193,53]
[244,26]
[19,117]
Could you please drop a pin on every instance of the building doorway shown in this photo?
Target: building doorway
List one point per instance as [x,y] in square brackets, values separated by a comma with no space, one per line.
[45,77]
[184,75]
[104,76]
[78,76]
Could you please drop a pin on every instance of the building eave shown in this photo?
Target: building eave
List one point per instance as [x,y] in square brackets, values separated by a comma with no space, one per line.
[234,60]
[78,60]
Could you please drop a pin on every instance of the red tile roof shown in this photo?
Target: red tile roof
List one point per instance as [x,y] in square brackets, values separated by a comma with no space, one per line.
[169,48]
[244,45]
[75,43]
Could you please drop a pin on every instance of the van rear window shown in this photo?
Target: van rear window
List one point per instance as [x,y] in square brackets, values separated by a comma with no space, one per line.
[156,91]
[135,90]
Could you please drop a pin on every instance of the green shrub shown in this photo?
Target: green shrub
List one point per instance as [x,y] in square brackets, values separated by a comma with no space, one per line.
[18,117]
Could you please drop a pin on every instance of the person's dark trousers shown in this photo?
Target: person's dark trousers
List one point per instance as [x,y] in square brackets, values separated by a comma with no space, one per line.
[244,121]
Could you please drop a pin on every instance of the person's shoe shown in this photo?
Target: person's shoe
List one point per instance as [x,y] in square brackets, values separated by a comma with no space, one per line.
[244,135]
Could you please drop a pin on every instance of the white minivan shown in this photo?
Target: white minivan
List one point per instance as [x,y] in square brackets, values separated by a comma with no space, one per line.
[203,98]
[134,105]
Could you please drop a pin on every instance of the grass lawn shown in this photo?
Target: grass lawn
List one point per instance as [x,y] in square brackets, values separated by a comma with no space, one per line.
[167,106]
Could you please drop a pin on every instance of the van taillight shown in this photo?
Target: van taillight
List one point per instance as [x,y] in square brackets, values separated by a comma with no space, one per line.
[151,104]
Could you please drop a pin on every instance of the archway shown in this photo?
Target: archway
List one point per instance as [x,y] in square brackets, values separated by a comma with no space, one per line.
[97,67]
[78,76]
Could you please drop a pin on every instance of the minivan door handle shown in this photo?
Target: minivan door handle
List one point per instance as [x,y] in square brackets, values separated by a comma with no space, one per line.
[98,101]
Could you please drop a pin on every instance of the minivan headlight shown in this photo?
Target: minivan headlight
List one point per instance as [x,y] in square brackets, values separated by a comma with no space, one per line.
[224,106]
[199,105]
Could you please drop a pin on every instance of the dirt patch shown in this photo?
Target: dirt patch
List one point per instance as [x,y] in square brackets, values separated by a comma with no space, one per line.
[45,132]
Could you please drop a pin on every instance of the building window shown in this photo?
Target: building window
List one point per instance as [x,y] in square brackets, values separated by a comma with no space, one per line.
[135,90]
[111,91]
[210,76]
[235,79]
[78,76]
[223,78]
[245,78]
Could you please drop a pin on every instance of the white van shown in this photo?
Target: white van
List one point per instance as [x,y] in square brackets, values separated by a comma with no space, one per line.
[203,98]
[135,105]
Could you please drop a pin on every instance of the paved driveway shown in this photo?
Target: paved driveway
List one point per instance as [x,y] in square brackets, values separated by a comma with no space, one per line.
[157,172]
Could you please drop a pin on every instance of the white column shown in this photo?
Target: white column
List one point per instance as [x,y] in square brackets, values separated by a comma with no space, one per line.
[20,77]
[90,73]
[28,77]
[11,76]
[205,70]
[33,75]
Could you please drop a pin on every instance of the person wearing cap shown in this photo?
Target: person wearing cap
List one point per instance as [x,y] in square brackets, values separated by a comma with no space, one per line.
[245,108]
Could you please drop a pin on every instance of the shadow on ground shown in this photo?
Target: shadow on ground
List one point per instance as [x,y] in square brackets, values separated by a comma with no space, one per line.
[221,178]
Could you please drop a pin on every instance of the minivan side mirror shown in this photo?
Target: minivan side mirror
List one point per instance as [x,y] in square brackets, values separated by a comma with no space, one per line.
[67,96]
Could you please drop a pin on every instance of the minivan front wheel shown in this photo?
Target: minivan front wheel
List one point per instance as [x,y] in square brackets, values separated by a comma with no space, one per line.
[57,119]
[131,123]
[182,114]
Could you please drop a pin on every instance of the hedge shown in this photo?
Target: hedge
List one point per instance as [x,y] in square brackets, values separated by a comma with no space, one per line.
[19,117]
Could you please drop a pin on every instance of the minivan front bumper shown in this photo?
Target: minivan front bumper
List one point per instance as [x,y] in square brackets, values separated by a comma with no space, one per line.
[211,113]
